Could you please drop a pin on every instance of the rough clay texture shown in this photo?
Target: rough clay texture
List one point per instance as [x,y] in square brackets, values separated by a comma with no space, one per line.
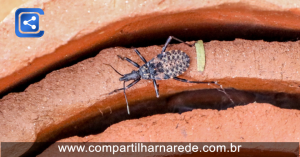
[69,32]
[67,95]
[251,123]
[88,22]
[8,5]
[234,124]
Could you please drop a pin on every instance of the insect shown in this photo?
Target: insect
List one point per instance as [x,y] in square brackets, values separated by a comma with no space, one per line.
[166,65]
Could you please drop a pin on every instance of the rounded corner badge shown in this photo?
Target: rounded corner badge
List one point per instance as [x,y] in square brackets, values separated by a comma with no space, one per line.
[27,22]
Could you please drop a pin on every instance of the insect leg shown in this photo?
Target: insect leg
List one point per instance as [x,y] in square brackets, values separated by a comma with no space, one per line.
[156,89]
[130,85]
[126,98]
[187,81]
[138,53]
[169,40]
[130,61]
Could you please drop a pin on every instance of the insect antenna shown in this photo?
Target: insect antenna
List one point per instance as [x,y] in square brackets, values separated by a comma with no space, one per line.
[114,69]
[124,88]
[126,98]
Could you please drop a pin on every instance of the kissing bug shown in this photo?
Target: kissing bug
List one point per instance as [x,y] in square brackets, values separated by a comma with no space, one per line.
[166,65]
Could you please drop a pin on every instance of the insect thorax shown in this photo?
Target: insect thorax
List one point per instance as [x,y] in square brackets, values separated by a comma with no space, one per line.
[166,65]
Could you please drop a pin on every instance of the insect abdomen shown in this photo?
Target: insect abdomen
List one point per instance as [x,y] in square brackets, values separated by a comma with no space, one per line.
[168,65]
